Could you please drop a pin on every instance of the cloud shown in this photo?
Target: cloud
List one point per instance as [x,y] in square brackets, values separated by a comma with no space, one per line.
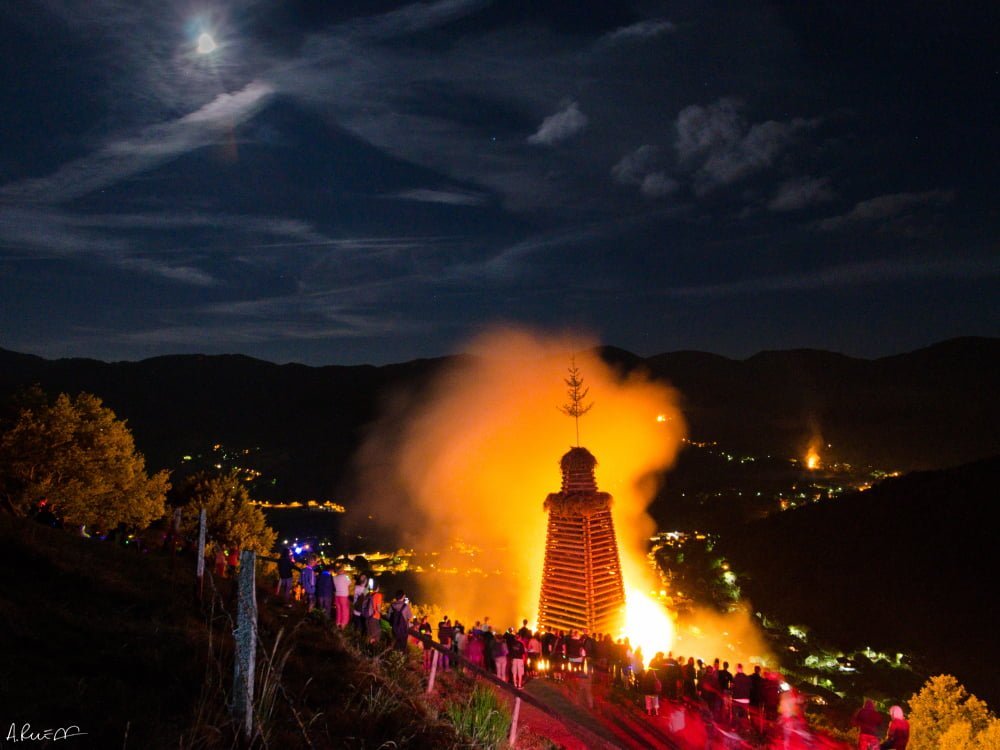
[448,197]
[851,274]
[67,231]
[640,168]
[639,31]
[801,192]
[180,273]
[658,185]
[221,326]
[887,207]
[128,155]
[723,148]
[164,244]
[228,109]
[45,234]
[509,260]
[292,229]
[703,129]
[560,126]
[634,166]
[414,18]
[219,334]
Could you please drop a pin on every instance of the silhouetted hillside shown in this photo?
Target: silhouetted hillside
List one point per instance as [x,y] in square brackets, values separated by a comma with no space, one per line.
[931,408]
[307,421]
[906,565]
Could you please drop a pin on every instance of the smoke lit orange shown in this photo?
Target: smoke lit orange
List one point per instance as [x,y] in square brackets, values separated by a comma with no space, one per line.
[477,454]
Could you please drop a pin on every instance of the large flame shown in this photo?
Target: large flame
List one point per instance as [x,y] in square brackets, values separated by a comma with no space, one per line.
[647,624]
[473,457]
[812,458]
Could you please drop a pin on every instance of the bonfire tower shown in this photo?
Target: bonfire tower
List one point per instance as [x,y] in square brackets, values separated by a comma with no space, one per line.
[582,584]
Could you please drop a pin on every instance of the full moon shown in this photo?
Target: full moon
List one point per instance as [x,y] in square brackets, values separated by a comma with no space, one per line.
[206,43]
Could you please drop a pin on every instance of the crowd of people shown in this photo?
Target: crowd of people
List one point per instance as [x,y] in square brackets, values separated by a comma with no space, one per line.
[737,699]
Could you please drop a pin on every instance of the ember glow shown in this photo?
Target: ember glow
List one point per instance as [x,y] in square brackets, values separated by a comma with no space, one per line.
[473,457]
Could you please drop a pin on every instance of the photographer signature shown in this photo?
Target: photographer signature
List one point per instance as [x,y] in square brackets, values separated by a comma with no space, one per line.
[27,734]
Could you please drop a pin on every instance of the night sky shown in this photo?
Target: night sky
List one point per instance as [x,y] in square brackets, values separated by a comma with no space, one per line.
[346,182]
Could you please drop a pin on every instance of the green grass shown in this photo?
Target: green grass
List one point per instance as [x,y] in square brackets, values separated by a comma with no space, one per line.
[482,719]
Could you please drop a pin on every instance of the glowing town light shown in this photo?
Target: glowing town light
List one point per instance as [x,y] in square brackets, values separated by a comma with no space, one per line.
[206,44]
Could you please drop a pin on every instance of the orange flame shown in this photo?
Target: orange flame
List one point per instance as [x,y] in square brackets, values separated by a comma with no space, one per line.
[648,626]
[812,459]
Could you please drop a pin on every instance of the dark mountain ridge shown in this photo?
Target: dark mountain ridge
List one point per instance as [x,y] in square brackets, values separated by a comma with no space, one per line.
[933,407]
[930,408]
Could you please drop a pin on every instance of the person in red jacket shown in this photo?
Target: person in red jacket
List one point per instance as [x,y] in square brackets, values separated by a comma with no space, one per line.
[898,733]
[868,721]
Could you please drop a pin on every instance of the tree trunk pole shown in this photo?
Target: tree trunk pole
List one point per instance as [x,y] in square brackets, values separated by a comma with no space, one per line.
[246,644]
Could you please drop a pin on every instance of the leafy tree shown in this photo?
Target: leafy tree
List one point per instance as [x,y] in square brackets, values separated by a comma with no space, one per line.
[232,519]
[77,455]
[943,716]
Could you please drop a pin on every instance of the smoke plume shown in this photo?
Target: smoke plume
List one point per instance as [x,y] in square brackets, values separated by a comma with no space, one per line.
[464,466]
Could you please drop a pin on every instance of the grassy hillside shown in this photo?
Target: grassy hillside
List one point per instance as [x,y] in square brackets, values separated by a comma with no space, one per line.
[111,640]
[97,636]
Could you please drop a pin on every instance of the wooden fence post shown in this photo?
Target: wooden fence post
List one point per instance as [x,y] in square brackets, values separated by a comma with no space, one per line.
[201,554]
[513,722]
[434,666]
[245,636]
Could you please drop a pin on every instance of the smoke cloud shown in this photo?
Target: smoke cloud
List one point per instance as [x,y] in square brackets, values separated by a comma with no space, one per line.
[463,466]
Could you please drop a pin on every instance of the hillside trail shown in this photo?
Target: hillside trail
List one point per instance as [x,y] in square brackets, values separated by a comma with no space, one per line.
[600,719]
[595,716]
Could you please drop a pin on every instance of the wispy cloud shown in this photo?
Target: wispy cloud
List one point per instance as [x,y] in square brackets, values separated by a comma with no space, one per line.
[641,30]
[243,223]
[448,197]
[509,261]
[852,274]
[180,273]
[412,18]
[885,207]
[559,127]
[127,155]
[168,245]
